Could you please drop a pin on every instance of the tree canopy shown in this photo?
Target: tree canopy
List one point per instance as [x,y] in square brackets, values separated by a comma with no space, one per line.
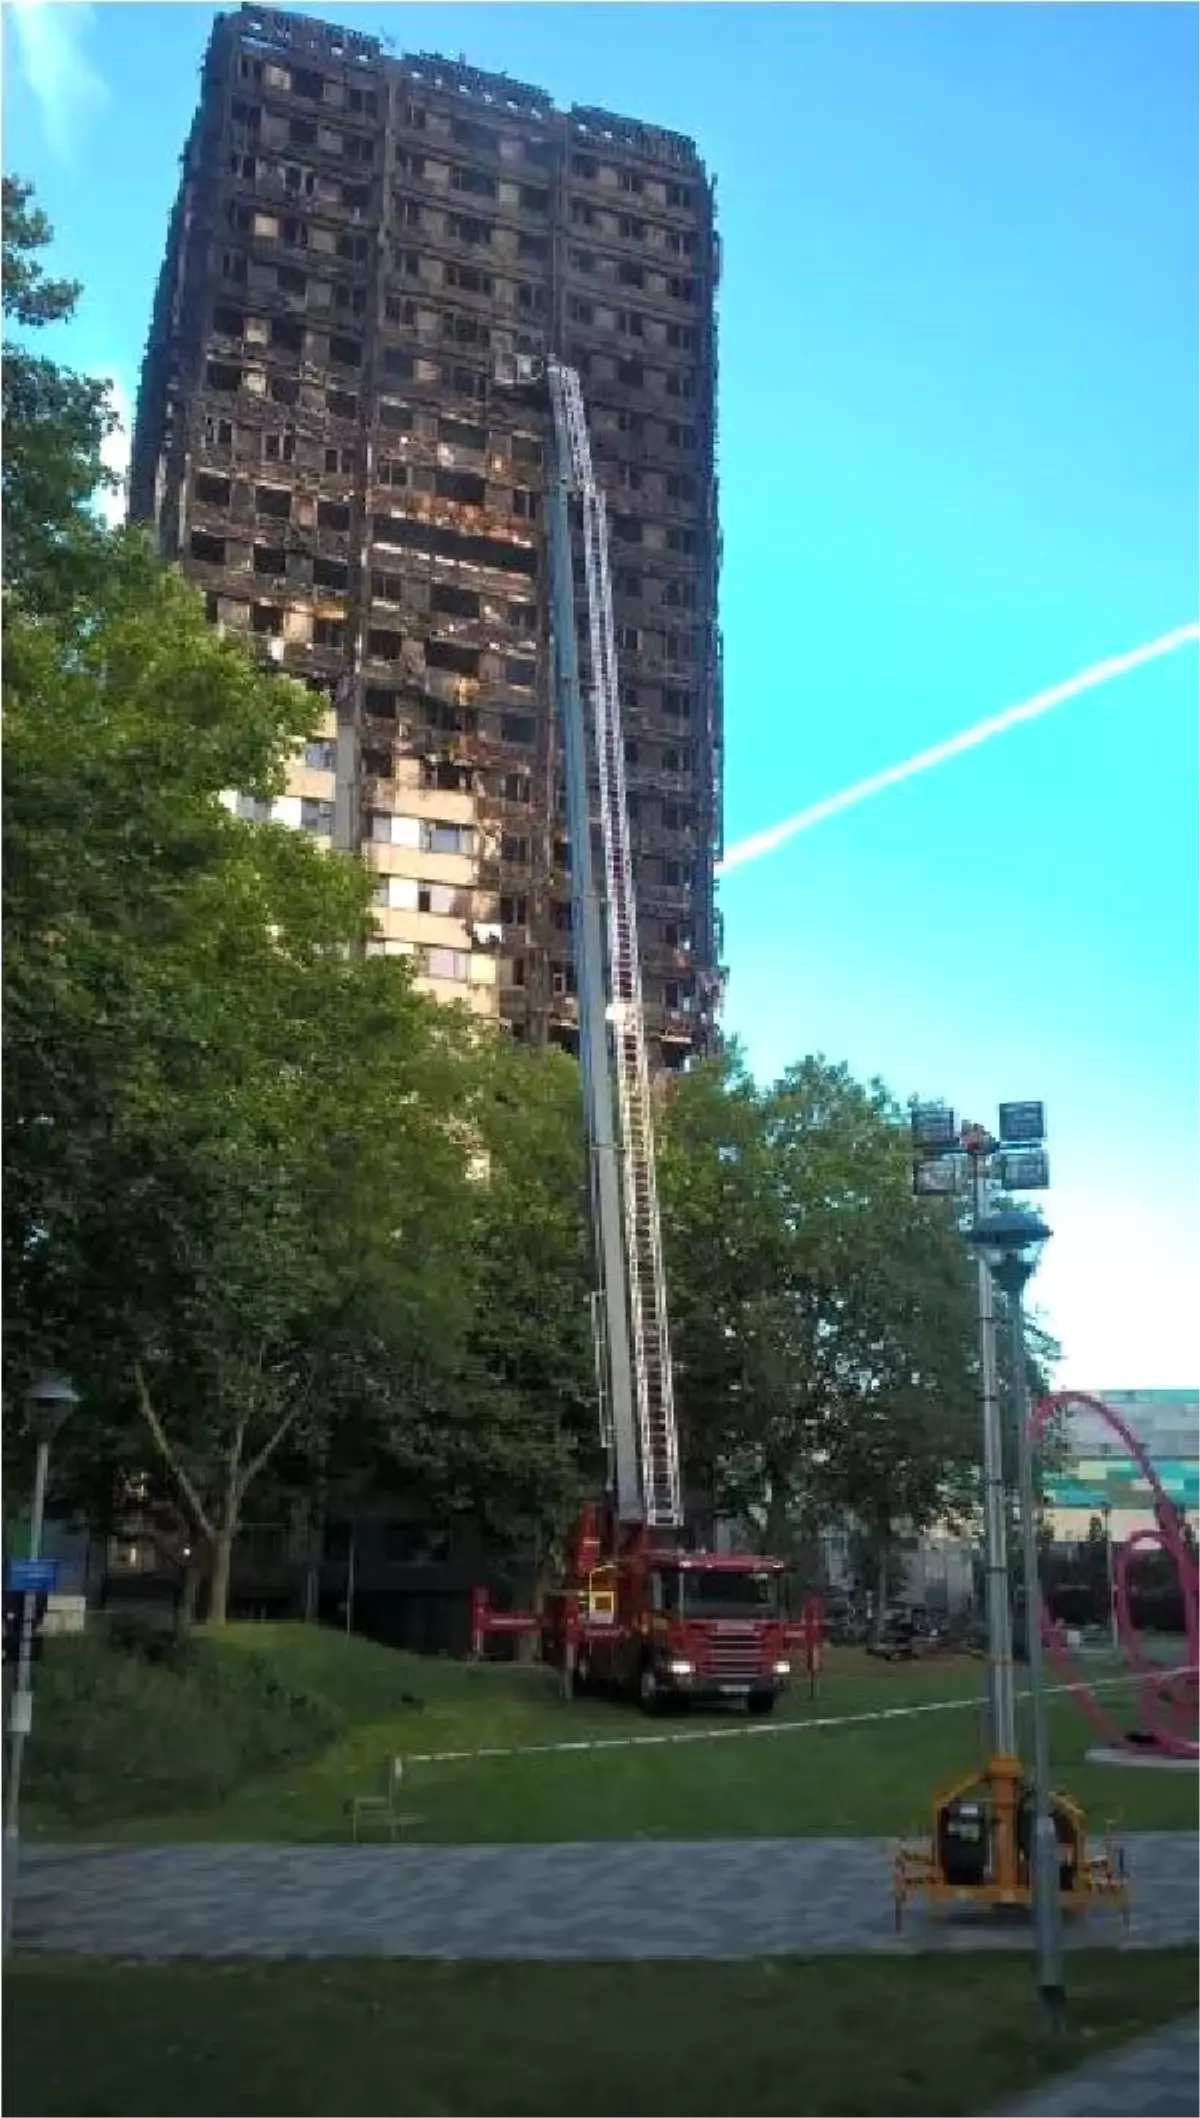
[825,1316]
[239,1145]
[55,422]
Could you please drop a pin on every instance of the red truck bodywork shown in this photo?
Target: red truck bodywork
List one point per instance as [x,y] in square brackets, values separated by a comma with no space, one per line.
[662,1625]
[658,1624]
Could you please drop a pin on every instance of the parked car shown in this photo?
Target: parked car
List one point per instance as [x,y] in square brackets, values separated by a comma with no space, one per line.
[909,1631]
[846,1624]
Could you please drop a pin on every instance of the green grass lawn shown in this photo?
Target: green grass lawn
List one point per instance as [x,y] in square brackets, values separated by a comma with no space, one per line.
[838,2035]
[788,1778]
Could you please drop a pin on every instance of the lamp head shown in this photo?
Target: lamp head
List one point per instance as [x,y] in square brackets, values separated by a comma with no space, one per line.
[49,1399]
[1011,1244]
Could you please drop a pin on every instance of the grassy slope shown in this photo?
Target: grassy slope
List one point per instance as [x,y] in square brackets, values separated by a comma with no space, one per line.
[869,1778]
[836,2036]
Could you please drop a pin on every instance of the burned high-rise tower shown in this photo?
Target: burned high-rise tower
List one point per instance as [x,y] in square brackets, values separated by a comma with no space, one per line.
[321,442]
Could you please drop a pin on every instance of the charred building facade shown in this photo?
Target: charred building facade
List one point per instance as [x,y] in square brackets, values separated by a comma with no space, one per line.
[323,443]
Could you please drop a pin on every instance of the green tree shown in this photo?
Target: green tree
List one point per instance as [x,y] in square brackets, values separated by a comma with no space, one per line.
[310,1280]
[1094,1558]
[232,1167]
[824,1316]
[54,421]
[128,888]
[727,1249]
[229,1136]
[528,1396]
[890,1311]
[497,1430]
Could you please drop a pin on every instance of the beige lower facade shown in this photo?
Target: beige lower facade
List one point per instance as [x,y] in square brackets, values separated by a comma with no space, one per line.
[423,848]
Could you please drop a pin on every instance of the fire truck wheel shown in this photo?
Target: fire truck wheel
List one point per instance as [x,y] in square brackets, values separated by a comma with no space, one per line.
[583,1676]
[761,1702]
[649,1694]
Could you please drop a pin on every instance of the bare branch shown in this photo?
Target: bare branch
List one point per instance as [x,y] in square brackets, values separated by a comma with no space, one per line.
[257,1463]
[170,1456]
[283,1427]
[234,1488]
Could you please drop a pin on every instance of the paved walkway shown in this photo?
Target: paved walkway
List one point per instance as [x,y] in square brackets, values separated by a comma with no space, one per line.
[646,1898]
[1159,2077]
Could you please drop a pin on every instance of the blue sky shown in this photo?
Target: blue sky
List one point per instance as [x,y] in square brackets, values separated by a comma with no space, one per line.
[959,381]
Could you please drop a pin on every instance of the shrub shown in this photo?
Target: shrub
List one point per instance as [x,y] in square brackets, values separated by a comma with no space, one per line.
[135,1725]
[154,1636]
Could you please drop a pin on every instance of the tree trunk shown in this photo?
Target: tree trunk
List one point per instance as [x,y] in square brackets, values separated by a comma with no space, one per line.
[776,1528]
[226,1530]
[312,1559]
[218,1584]
[881,1588]
[312,1590]
[189,1594]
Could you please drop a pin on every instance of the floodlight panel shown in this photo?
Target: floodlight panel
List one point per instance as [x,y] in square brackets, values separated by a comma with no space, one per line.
[935,1180]
[1026,1170]
[933,1128]
[1022,1124]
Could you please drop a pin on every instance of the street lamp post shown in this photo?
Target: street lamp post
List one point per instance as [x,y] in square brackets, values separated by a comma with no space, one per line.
[1110,1581]
[1011,1244]
[49,1401]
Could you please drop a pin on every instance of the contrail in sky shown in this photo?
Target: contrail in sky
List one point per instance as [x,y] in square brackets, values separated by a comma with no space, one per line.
[760,842]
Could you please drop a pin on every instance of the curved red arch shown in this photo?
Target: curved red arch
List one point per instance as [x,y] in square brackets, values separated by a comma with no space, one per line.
[1167,1699]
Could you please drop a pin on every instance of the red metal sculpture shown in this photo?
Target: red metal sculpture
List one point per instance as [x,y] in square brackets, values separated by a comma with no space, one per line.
[1167,1698]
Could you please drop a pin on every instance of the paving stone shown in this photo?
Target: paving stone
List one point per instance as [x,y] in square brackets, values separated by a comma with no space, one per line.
[716,1899]
[1158,2077]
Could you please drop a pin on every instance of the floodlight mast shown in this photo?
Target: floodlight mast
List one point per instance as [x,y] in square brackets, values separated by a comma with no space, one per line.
[1016,1159]
[1001,1689]
[1011,1243]
[1021,1867]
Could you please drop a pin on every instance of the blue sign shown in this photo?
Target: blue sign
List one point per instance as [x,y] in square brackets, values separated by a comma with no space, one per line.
[32,1577]
[1025,1169]
[1022,1124]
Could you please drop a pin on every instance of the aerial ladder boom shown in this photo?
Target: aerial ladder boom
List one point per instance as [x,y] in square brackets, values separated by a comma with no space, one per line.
[633,1337]
[637,1615]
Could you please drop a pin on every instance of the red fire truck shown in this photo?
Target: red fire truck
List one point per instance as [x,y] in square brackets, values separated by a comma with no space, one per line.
[639,1612]
[663,1625]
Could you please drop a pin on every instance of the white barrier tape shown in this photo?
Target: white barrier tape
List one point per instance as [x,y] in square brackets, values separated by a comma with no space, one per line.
[741,1729]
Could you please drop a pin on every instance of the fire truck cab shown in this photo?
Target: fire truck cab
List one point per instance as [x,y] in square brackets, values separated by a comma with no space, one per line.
[668,1627]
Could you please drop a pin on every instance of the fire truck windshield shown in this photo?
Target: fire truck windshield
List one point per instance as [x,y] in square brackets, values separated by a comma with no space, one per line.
[697,1592]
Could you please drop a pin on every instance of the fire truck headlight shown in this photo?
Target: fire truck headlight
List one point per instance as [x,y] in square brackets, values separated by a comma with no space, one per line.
[783,1669]
[679,1668]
